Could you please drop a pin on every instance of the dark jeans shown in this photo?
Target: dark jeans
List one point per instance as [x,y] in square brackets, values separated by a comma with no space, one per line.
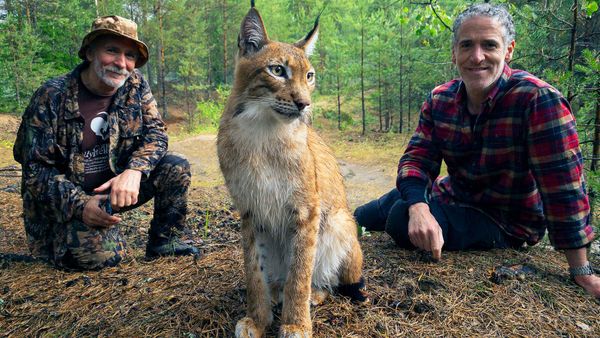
[463,227]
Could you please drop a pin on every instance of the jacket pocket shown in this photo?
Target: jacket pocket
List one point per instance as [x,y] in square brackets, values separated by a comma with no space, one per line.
[131,133]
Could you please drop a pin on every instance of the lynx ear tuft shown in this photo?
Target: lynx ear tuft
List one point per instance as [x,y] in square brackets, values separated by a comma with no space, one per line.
[253,34]
[309,43]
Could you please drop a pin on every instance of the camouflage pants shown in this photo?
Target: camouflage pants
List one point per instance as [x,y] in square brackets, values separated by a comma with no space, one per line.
[76,246]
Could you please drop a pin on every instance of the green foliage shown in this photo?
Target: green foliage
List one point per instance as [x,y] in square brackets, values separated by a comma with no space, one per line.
[346,120]
[8,144]
[591,7]
[210,110]
[21,72]
[396,51]
[38,40]
[205,233]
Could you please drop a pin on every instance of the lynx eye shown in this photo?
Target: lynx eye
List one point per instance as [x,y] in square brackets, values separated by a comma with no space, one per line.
[310,76]
[277,70]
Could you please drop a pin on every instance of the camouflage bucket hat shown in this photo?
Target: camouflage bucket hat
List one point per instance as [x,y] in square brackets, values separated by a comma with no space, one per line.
[115,25]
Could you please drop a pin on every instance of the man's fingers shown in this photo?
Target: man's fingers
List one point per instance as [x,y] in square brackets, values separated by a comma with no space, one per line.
[436,244]
[95,217]
[104,186]
[426,242]
[436,253]
[415,240]
[123,199]
[103,219]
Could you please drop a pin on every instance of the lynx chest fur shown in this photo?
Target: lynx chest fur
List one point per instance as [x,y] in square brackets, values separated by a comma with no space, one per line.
[266,164]
[298,235]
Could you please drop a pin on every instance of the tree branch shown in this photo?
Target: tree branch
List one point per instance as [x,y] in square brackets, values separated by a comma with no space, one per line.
[547,57]
[436,14]
[568,24]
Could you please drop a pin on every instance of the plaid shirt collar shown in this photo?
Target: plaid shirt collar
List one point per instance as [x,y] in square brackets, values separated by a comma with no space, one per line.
[494,94]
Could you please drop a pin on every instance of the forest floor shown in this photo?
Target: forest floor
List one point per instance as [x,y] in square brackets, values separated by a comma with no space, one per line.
[186,297]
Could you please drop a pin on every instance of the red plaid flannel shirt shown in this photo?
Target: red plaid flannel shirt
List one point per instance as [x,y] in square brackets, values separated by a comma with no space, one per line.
[520,162]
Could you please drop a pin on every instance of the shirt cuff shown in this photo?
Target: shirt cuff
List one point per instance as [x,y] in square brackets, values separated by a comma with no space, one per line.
[80,205]
[142,166]
[412,189]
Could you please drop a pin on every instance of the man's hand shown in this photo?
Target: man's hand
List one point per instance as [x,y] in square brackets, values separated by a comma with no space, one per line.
[424,231]
[124,189]
[94,217]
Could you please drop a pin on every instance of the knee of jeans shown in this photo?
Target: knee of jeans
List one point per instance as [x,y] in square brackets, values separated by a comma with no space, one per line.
[177,160]
[173,170]
[397,224]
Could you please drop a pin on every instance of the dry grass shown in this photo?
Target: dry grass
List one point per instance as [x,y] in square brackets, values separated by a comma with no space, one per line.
[183,297]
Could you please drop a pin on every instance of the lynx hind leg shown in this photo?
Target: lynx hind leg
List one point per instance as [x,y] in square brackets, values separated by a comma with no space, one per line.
[318,296]
[352,283]
[245,328]
[258,315]
[294,331]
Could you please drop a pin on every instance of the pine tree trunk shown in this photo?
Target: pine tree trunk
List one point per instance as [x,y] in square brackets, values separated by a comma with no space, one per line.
[572,45]
[209,78]
[388,107]
[409,108]
[379,91]
[14,51]
[362,77]
[400,95]
[17,80]
[401,82]
[596,149]
[144,21]
[339,103]
[224,3]
[161,75]
[190,113]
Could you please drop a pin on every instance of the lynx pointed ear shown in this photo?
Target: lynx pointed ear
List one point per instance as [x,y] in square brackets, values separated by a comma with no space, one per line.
[253,34]
[309,43]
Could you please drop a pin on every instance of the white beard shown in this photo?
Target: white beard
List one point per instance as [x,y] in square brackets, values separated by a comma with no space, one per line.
[101,73]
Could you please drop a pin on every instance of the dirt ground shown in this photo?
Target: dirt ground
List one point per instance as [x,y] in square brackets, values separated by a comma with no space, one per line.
[201,151]
[186,297]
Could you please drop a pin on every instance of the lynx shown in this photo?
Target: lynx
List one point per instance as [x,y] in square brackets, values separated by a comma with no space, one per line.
[299,237]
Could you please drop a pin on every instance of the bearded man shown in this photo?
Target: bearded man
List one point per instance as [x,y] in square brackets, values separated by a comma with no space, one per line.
[92,143]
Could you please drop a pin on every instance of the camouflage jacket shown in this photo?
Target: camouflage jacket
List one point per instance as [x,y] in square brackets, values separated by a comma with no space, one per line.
[48,145]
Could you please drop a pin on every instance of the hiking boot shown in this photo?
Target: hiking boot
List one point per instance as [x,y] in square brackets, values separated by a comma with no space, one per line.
[170,247]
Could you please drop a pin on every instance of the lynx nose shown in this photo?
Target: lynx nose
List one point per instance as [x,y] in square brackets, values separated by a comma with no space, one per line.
[300,104]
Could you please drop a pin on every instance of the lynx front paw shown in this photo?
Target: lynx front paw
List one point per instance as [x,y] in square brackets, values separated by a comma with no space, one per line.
[245,328]
[294,331]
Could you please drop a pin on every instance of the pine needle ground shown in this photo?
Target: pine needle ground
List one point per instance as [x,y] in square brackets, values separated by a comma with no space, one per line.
[186,297]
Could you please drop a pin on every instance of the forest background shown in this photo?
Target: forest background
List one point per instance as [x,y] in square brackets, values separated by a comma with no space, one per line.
[376,60]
